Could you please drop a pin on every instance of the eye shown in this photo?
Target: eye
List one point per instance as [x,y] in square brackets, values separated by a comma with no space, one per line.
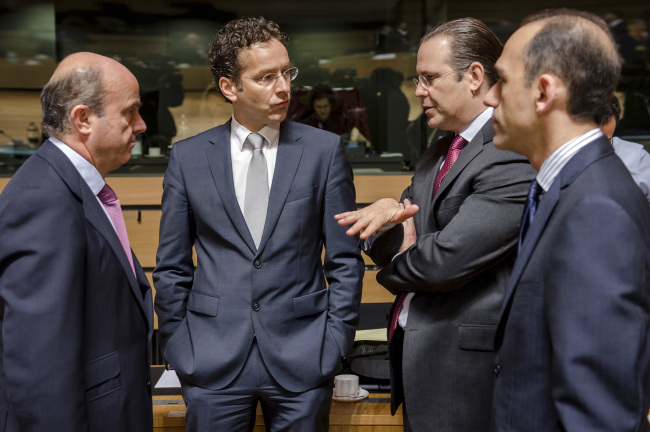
[266,78]
[431,77]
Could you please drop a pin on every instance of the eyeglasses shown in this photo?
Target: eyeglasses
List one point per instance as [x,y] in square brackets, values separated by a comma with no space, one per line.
[427,83]
[270,79]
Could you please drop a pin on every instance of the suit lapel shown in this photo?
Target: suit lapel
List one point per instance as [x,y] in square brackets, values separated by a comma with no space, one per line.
[424,218]
[544,211]
[471,150]
[581,160]
[289,154]
[95,215]
[220,161]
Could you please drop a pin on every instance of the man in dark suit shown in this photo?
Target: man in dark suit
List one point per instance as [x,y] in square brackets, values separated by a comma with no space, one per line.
[261,318]
[572,341]
[449,265]
[76,310]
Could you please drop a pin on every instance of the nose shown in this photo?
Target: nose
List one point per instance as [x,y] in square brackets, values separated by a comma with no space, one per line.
[492,96]
[140,125]
[283,85]
[420,91]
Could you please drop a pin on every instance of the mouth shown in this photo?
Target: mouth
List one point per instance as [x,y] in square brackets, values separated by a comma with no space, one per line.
[428,110]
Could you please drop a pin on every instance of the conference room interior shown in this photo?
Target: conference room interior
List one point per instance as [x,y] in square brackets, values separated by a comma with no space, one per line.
[363,50]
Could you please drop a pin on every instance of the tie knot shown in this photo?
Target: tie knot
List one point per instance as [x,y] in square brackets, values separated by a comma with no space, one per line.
[107,195]
[458,143]
[255,140]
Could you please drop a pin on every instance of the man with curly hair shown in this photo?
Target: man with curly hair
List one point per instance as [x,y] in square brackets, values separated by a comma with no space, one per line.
[262,318]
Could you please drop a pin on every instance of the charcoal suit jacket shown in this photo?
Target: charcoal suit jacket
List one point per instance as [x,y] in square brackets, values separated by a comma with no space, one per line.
[458,269]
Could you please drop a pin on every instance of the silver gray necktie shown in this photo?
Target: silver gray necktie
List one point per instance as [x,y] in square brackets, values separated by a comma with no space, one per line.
[256,199]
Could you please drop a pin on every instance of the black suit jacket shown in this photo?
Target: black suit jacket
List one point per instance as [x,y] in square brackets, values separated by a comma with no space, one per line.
[459,269]
[75,320]
[573,346]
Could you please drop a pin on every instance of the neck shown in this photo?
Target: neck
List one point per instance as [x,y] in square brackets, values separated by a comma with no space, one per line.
[79,146]
[557,132]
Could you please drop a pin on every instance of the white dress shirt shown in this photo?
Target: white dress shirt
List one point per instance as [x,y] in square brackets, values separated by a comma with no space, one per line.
[241,156]
[468,133]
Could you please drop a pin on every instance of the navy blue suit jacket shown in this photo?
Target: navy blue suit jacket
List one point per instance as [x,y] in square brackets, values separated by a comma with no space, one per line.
[75,320]
[303,312]
[573,346]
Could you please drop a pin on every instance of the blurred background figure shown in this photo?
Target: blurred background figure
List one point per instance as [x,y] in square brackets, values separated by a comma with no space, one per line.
[633,155]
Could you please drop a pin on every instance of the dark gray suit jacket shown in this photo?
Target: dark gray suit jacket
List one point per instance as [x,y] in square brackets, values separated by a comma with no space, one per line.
[573,345]
[278,294]
[75,320]
[459,269]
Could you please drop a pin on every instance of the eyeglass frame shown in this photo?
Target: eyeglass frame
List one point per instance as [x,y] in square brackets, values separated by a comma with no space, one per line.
[272,79]
[417,79]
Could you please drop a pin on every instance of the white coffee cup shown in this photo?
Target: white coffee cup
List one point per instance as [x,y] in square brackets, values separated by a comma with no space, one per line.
[346,386]
[154,151]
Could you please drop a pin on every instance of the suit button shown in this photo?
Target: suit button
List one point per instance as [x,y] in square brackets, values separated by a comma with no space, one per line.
[257,264]
[497,370]
[256,307]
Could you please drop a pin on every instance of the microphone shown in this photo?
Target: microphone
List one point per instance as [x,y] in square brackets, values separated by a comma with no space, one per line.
[6,134]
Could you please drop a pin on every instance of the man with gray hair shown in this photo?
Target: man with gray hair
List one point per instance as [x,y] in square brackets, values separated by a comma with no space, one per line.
[449,265]
[76,313]
[572,349]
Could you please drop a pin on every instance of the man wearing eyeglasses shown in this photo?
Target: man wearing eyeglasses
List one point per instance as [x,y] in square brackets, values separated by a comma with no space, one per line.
[449,258]
[256,198]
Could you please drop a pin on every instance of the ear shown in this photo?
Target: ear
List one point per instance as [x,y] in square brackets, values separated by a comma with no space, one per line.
[477,75]
[81,118]
[548,92]
[228,88]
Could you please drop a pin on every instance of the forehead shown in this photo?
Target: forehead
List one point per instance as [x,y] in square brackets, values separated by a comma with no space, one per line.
[271,55]
[322,101]
[121,87]
[433,56]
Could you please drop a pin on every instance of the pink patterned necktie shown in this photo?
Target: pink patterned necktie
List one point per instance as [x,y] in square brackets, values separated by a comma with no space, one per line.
[454,151]
[112,205]
[452,155]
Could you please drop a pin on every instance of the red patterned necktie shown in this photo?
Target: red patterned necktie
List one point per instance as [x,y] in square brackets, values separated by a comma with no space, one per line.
[452,155]
[112,205]
[454,151]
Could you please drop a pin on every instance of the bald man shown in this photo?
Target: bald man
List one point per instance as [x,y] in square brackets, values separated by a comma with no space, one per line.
[75,305]
[572,347]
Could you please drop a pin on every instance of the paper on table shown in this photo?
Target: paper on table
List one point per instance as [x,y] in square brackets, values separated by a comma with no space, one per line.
[168,379]
[378,335]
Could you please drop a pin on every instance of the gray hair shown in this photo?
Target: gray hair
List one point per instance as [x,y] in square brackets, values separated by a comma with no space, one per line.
[82,86]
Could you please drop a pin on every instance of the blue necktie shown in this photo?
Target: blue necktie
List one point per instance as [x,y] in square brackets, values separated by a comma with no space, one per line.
[529,211]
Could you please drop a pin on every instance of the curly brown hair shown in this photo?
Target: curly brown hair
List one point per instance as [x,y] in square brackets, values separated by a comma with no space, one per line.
[231,39]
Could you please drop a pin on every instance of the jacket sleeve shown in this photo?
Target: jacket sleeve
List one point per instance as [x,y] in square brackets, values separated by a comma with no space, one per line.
[598,318]
[174,272]
[343,264]
[482,232]
[42,287]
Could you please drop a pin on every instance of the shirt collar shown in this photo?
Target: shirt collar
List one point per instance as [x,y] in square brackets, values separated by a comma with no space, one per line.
[552,166]
[476,125]
[86,170]
[239,133]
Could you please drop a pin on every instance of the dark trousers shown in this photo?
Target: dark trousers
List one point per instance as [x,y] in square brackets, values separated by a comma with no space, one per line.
[233,407]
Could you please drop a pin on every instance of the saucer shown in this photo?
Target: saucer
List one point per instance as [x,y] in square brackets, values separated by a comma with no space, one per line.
[363,393]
